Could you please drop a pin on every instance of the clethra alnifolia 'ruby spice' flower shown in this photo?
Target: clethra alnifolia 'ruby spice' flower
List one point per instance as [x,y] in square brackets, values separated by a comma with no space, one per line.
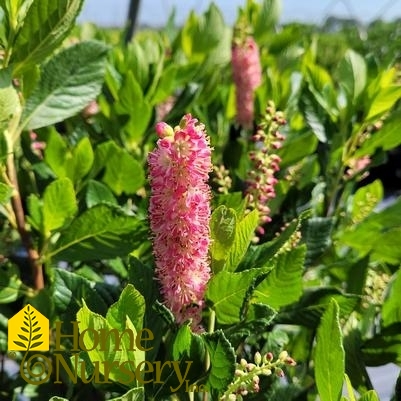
[179,213]
[265,162]
[247,75]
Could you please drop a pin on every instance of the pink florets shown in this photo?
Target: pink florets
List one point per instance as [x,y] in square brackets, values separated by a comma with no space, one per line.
[179,213]
[247,74]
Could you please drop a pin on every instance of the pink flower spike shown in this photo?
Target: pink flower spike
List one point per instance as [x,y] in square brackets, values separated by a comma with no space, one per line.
[179,213]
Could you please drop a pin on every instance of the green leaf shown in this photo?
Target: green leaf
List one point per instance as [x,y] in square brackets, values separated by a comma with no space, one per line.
[377,234]
[391,310]
[98,193]
[123,174]
[223,226]
[132,304]
[201,34]
[370,395]
[5,193]
[329,355]
[10,106]
[228,291]
[69,81]
[352,74]
[131,102]
[386,138]
[244,232]
[68,291]
[102,232]
[283,285]
[365,200]
[222,361]
[82,160]
[59,204]
[10,284]
[317,236]
[312,304]
[384,347]
[110,349]
[383,101]
[46,24]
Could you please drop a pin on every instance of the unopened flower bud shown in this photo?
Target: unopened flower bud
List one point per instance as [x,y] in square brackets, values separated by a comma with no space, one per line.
[257,358]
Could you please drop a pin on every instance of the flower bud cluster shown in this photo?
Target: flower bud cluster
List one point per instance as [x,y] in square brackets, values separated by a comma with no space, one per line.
[261,181]
[247,374]
[221,178]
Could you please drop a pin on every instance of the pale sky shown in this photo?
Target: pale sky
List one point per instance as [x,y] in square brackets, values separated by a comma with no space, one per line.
[155,12]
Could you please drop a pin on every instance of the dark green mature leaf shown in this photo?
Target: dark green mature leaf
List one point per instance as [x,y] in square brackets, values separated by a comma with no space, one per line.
[317,236]
[310,307]
[329,355]
[228,291]
[69,81]
[59,204]
[384,347]
[68,290]
[222,361]
[102,232]
[283,285]
[391,310]
[46,24]
[378,234]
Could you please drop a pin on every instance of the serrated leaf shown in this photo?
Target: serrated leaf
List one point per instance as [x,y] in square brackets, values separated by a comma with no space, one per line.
[222,227]
[107,352]
[222,361]
[130,303]
[244,232]
[102,232]
[98,193]
[227,292]
[68,291]
[46,24]
[82,159]
[59,204]
[329,355]
[316,233]
[283,285]
[377,234]
[68,82]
